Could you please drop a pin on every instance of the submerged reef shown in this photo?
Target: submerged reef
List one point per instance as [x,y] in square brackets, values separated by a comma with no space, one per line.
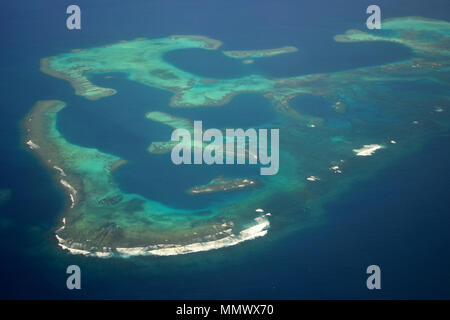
[317,161]
[142,60]
[160,147]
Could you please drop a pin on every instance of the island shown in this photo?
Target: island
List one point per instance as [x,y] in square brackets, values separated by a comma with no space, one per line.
[222,184]
[368,150]
[255,54]
[101,220]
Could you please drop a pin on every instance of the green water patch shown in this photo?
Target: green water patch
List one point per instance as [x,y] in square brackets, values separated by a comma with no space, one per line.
[5,195]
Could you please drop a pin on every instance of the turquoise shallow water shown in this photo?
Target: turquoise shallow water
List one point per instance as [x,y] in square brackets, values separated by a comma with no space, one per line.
[401,227]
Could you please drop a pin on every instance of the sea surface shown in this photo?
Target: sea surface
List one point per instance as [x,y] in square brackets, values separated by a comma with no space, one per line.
[398,219]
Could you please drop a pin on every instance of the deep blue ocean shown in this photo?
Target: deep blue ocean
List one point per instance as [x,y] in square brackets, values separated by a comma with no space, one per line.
[402,226]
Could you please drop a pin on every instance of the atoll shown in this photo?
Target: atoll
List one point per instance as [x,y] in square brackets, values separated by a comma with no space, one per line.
[317,160]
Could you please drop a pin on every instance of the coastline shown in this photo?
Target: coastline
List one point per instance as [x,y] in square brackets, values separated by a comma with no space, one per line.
[35,142]
[256,231]
[38,125]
